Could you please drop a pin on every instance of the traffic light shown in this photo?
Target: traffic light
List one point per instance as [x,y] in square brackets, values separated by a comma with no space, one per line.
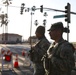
[67,11]
[22,8]
[21,12]
[41,8]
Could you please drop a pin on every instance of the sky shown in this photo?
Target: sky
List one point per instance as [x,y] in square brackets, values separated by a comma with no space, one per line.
[20,24]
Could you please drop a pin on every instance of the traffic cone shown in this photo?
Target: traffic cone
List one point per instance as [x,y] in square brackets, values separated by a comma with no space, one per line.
[16,62]
[23,53]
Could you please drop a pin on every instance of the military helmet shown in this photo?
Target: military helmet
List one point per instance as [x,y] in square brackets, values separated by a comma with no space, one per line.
[55,26]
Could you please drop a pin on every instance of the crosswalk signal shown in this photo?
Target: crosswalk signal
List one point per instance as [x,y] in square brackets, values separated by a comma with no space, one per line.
[41,8]
[67,11]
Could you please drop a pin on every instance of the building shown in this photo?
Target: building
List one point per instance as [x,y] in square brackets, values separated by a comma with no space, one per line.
[10,38]
[32,39]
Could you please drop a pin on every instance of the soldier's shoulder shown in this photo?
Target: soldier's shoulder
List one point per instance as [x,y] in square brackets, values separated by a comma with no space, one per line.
[65,43]
[45,43]
[67,46]
[45,40]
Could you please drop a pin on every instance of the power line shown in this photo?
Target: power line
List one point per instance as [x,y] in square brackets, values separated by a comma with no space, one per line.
[10,6]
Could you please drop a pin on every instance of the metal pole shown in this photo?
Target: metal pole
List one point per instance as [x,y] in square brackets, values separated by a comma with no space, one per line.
[59,10]
[7,18]
[48,9]
[3,35]
[67,32]
[31,29]
[6,25]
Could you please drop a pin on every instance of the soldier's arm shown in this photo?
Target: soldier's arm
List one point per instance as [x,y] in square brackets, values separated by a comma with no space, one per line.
[42,48]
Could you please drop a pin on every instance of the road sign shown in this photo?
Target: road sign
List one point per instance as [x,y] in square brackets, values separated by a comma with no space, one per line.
[59,16]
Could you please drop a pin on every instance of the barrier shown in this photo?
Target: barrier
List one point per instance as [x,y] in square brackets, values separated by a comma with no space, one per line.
[6,58]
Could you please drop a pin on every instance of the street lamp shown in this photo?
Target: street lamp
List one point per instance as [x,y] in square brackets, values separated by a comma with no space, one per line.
[32,13]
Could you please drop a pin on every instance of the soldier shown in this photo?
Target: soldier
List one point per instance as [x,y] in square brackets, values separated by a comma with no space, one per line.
[60,55]
[37,52]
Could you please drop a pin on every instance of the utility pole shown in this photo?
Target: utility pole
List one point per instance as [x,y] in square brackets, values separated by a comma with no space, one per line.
[6,3]
[31,28]
[32,13]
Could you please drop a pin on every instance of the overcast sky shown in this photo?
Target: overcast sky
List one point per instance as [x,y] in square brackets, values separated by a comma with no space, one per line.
[20,24]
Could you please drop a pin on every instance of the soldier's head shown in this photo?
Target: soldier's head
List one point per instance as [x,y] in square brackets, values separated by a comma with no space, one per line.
[40,32]
[57,30]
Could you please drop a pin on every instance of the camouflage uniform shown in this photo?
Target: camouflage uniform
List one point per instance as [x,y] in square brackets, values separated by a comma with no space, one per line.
[61,58]
[37,53]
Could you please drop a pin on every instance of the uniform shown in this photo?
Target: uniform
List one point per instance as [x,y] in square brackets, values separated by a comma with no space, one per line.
[37,52]
[61,58]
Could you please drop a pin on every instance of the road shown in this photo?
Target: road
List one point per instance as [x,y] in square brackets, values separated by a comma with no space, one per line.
[24,65]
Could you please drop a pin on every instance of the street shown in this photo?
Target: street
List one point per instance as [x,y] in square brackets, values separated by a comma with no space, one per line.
[24,67]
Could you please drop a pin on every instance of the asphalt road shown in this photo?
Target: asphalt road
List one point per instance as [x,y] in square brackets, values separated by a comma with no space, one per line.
[24,67]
